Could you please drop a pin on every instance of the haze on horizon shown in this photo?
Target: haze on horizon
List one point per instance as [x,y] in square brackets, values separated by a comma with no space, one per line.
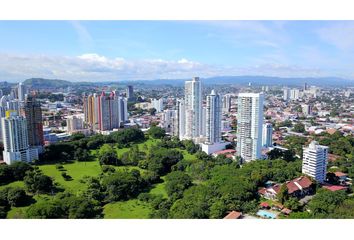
[143,50]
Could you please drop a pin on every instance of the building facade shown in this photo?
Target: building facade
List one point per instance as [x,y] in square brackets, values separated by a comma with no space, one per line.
[315,158]
[267,140]
[192,109]
[249,126]
[15,139]
[213,118]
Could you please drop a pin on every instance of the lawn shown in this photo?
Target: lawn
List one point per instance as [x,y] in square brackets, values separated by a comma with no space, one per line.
[76,170]
[131,209]
[159,189]
[14,184]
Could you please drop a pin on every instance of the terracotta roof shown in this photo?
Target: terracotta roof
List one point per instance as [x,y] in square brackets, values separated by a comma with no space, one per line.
[286,211]
[233,215]
[334,188]
[298,183]
[226,151]
[264,204]
[340,174]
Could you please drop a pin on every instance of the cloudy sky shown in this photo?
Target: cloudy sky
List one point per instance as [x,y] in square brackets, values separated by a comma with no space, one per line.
[135,50]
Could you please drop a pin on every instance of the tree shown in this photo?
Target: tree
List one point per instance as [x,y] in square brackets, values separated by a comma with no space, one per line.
[123,185]
[299,127]
[110,158]
[292,203]
[325,202]
[275,154]
[176,183]
[45,210]
[152,111]
[161,159]
[36,182]
[16,197]
[81,155]
[282,195]
[156,132]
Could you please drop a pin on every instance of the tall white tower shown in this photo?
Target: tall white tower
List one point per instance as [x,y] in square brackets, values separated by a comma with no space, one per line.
[314,163]
[15,139]
[267,135]
[193,108]
[21,92]
[249,126]
[213,118]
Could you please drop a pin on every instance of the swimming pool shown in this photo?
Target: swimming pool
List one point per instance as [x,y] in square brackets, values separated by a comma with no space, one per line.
[266,214]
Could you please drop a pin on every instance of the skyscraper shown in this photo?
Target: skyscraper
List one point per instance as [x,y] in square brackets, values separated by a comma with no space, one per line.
[33,113]
[286,94]
[226,103]
[294,94]
[158,104]
[267,135]
[15,139]
[213,118]
[21,92]
[105,112]
[249,126]
[306,109]
[130,93]
[193,108]
[314,163]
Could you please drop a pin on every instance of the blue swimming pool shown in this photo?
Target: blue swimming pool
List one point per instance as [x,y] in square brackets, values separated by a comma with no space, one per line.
[266,214]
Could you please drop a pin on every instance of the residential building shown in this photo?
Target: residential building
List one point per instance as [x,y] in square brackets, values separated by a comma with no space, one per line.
[15,139]
[192,109]
[22,91]
[158,104]
[249,126]
[74,123]
[315,158]
[130,93]
[306,109]
[33,113]
[267,134]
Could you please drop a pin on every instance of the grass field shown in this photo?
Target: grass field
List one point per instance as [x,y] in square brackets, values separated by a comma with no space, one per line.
[159,189]
[13,184]
[132,209]
[78,170]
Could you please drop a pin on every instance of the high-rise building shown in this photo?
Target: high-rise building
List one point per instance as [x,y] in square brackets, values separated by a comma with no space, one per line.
[314,163]
[15,139]
[203,122]
[226,103]
[74,123]
[193,108]
[21,92]
[305,86]
[130,93]
[267,140]
[168,120]
[158,104]
[180,126]
[249,126]
[213,118]
[105,112]
[306,109]
[33,113]
[286,94]
[294,94]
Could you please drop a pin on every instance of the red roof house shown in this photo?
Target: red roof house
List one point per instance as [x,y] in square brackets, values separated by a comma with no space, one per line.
[233,215]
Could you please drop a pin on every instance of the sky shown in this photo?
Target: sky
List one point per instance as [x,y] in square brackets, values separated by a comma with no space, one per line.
[143,50]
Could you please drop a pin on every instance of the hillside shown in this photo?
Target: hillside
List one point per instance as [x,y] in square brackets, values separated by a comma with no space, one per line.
[46,83]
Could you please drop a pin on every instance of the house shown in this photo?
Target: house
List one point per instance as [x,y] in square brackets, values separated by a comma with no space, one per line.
[298,187]
[270,192]
[334,188]
[233,215]
[264,205]
[286,211]
[229,153]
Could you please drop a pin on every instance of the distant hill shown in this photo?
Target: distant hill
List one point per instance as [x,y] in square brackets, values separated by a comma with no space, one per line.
[39,83]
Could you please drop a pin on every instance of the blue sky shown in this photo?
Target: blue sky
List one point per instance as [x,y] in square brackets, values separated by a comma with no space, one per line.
[119,50]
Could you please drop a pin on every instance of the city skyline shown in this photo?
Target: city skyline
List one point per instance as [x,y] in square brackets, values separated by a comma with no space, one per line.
[144,50]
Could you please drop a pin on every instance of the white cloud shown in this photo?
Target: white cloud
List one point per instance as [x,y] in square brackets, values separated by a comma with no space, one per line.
[94,67]
[340,34]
